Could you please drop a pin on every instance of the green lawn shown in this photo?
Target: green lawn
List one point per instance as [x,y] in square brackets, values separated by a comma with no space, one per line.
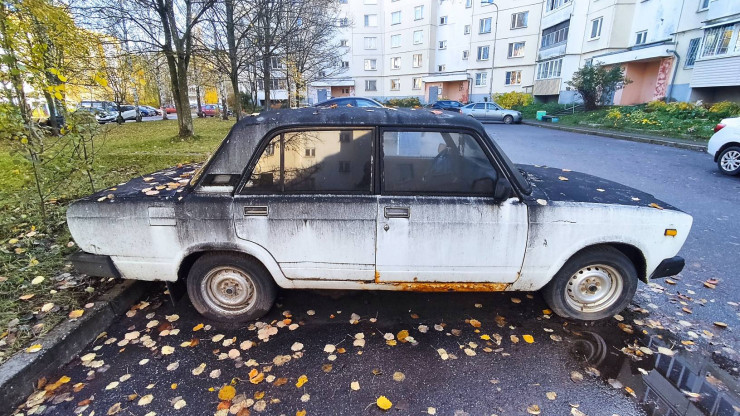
[30,247]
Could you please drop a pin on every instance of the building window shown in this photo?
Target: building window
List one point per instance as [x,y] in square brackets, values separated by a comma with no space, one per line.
[692,52]
[717,40]
[344,166]
[371,20]
[549,69]
[441,68]
[395,84]
[416,83]
[396,18]
[485,25]
[396,62]
[418,37]
[345,90]
[596,27]
[482,53]
[481,79]
[343,1]
[442,44]
[513,77]
[466,31]
[703,4]
[641,37]
[554,4]
[555,35]
[418,12]
[344,42]
[519,20]
[345,64]
[468,4]
[371,64]
[516,50]
[466,54]
[310,152]
[395,41]
[344,22]
[371,2]
[275,63]
[443,20]
[417,60]
[371,85]
[371,43]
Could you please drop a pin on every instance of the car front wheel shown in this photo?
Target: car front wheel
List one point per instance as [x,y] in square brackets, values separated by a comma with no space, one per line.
[729,161]
[594,284]
[230,288]
[508,120]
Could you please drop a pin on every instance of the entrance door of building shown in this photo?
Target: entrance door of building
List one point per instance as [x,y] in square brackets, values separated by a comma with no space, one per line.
[321,95]
[433,94]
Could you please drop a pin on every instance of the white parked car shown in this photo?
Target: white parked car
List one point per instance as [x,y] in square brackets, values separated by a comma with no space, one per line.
[383,198]
[724,146]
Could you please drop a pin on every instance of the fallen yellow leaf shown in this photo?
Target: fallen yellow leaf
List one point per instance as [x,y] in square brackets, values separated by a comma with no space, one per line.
[198,327]
[301,381]
[384,403]
[76,313]
[226,393]
[34,348]
[528,339]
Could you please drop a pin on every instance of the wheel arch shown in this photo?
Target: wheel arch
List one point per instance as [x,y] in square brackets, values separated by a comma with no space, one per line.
[634,254]
[723,147]
[250,250]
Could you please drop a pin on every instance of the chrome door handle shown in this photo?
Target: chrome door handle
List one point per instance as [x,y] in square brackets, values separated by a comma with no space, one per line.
[255,211]
[397,212]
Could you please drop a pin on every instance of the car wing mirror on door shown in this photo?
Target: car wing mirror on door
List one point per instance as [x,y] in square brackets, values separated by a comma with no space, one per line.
[503,190]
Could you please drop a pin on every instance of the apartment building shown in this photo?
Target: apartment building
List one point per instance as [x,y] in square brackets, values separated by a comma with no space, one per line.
[431,49]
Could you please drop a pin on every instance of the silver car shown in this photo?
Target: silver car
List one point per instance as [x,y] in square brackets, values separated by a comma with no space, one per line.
[492,112]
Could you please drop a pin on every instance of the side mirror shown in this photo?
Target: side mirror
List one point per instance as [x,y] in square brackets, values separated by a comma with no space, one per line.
[503,190]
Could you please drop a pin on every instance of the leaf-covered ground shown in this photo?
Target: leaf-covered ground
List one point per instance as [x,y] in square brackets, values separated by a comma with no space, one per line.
[365,352]
[38,289]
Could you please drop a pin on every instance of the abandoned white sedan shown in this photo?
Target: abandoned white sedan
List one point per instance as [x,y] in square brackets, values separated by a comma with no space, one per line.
[355,198]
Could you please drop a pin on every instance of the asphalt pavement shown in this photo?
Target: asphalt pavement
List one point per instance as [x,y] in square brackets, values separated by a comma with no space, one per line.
[337,353]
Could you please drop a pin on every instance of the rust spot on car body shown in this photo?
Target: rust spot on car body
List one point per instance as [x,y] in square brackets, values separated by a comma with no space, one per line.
[449,287]
[377,276]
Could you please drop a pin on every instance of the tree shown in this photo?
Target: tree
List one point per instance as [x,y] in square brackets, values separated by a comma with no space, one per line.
[596,83]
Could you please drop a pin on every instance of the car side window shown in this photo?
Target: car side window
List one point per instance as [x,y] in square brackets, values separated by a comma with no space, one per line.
[491,106]
[363,103]
[315,161]
[479,106]
[436,163]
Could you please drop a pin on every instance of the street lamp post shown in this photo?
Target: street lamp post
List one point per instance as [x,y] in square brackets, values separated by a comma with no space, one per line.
[493,52]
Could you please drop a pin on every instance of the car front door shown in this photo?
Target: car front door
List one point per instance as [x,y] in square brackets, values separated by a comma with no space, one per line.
[309,202]
[438,220]
[494,112]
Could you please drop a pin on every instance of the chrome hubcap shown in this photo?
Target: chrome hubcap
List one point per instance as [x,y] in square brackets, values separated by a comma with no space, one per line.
[228,290]
[594,288]
[730,161]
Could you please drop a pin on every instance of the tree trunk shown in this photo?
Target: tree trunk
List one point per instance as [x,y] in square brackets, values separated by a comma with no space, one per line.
[179,81]
[225,112]
[200,105]
[266,81]
[237,97]
[233,54]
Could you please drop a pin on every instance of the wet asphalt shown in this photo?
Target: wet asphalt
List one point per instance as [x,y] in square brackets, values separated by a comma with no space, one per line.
[479,362]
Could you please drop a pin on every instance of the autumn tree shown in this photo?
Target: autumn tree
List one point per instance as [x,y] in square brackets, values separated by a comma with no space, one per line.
[596,83]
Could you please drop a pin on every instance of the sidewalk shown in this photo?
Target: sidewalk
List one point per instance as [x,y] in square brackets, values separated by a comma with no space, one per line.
[633,137]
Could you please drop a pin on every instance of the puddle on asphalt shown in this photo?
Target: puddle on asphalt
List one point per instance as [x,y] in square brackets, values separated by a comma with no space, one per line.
[665,382]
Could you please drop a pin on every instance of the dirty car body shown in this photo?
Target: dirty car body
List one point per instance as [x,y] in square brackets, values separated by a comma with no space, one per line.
[354,198]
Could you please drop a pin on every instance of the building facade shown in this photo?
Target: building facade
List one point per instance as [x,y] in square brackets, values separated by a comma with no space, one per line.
[466,50]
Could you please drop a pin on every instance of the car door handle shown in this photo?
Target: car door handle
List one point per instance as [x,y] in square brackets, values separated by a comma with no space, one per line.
[397,212]
[255,211]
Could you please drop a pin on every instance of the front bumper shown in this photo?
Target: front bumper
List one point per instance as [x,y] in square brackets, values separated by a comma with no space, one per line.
[669,267]
[94,264]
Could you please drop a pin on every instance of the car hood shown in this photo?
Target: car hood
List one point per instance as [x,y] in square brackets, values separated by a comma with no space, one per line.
[563,185]
[165,184]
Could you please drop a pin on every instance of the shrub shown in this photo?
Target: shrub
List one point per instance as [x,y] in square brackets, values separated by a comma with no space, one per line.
[403,102]
[595,83]
[684,111]
[725,109]
[656,105]
[510,99]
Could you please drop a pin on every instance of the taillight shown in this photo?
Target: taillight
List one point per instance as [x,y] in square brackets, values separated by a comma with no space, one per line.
[459,110]
[718,127]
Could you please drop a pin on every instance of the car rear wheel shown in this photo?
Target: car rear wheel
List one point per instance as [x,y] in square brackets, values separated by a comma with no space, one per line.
[230,288]
[594,284]
[729,161]
[508,120]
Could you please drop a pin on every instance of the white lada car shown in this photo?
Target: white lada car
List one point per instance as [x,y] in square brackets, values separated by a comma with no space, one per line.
[387,199]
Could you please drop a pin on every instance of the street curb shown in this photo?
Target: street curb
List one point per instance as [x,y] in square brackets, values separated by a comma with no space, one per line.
[18,375]
[622,136]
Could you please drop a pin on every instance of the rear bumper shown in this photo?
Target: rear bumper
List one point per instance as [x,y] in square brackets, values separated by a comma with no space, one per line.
[669,267]
[94,264]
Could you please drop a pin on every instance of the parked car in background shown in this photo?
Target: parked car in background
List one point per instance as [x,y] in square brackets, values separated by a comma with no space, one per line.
[100,105]
[389,199]
[154,110]
[102,116]
[128,112]
[350,102]
[147,111]
[170,109]
[492,112]
[448,105]
[724,146]
[210,110]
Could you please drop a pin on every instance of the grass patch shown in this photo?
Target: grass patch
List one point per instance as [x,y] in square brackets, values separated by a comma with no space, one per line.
[30,247]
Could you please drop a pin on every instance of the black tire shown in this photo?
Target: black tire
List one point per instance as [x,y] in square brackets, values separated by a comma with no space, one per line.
[508,119]
[233,271]
[726,158]
[568,292]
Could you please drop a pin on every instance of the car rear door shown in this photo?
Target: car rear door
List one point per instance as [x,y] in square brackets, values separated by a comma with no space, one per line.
[479,111]
[438,221]
[309,202]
